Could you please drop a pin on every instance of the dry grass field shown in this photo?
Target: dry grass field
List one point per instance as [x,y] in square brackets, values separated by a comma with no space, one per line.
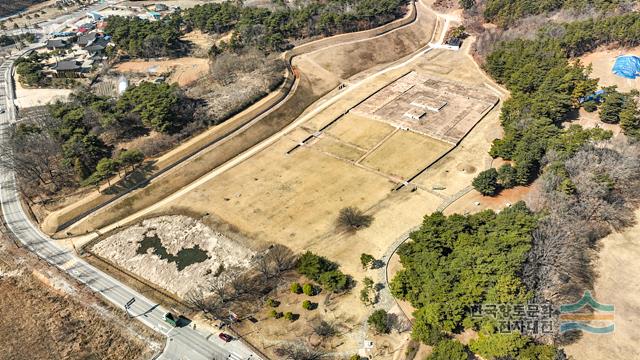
[405,153]
[359,131]
[339,60]
[48,316]
[312,86]
[617,283]
[292,194]
[294,198]
[335,147]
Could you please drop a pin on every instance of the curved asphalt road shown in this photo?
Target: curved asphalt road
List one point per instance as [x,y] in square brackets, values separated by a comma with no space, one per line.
[182,343]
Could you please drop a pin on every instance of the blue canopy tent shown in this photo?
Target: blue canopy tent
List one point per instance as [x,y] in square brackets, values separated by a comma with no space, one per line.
[627,66]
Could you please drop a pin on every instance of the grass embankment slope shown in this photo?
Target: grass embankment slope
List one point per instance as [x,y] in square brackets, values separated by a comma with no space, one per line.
[311,86]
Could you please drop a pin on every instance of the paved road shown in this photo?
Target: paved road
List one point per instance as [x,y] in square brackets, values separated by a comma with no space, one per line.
[182,343]
[59,23]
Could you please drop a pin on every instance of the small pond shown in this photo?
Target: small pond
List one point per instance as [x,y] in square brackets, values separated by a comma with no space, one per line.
[183,258]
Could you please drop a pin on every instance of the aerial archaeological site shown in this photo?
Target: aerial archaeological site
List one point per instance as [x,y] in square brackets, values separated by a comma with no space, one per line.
[319,179]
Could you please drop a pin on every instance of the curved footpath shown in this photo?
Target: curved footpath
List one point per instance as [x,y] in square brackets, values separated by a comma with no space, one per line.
[182,343]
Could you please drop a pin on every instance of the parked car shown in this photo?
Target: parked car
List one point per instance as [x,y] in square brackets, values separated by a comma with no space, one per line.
[225,337]
[170,319]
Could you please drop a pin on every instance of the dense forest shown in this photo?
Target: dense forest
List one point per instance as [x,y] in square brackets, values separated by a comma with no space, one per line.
[506,12]
[588,189]
[264,29]
[454,263]
[143,38]
[273,30]
[74,145]
[546,87]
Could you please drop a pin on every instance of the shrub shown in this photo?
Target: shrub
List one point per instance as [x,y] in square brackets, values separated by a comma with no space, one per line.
[355,357]
[611,108]
[307,289]
[366,260]
[487,182]
[289,316]
[380,321]
[324,329]
[312,265]
[296,288]
[590,106]
[449,350]
[334,281]
[368,282]
[364,296]
[272,303]
[354,218]
[275,314]
[306,305]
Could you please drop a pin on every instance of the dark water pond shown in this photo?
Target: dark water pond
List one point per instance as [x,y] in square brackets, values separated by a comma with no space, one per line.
[183,258]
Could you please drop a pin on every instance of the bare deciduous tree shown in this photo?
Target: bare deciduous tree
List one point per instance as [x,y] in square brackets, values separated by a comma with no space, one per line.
[607,190]
[297,351]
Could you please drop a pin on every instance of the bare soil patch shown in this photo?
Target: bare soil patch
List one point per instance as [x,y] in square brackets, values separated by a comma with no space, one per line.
[183,71]
[438,108]
[177,253]
[26,98]
[602,62]
[473,201]
[592,120]
[201,42]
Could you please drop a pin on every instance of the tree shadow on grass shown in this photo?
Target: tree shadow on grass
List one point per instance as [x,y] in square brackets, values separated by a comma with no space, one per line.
[135,179]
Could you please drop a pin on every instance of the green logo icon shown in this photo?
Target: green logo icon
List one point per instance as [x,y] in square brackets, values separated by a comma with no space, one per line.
[573,316]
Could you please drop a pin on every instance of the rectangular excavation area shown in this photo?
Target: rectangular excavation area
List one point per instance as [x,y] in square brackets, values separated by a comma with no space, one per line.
[442,109]
[176,253]
[405,153]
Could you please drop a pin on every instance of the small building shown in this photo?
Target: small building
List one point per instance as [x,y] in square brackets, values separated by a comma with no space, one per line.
[97,46]
[453,43]
[67,69]
[415,114]
[86,39]
[53,44]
